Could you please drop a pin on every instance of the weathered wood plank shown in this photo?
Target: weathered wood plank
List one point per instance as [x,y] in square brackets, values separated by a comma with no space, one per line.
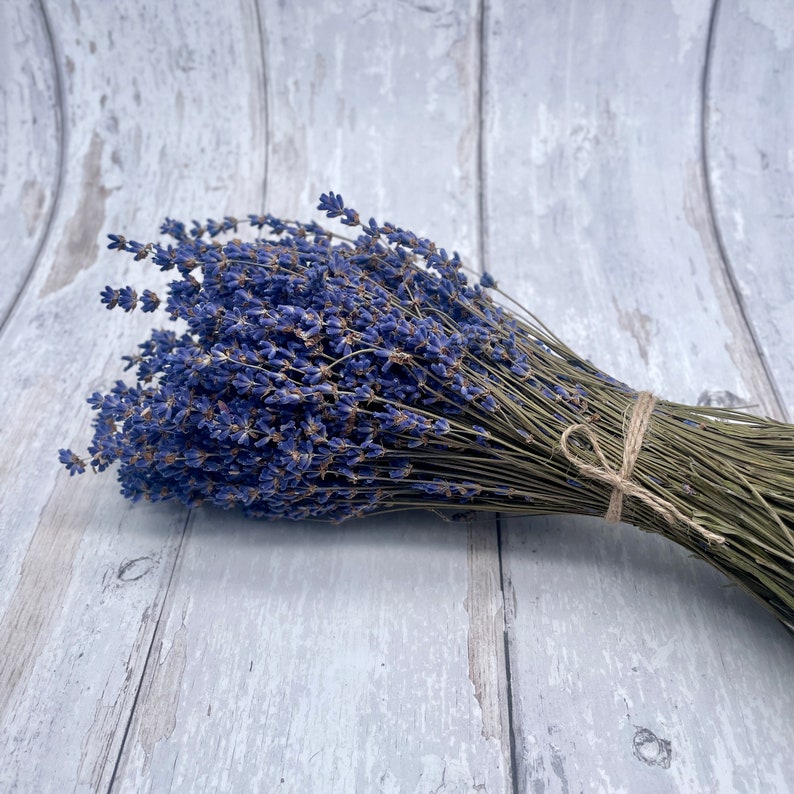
[84,575]
[750,120]
[598,220]
[634,668]
[378,101]
[30,143]
[317,659]
[599,213]
[366,657]
[75,633]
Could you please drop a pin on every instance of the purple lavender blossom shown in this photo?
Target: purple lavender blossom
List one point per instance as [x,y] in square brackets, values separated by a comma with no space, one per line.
[321,378]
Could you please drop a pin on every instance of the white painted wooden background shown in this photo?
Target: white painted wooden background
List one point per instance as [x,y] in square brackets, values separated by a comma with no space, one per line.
[626,169]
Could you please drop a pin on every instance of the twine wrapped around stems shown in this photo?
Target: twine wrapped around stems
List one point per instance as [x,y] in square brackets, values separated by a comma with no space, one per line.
[621,482]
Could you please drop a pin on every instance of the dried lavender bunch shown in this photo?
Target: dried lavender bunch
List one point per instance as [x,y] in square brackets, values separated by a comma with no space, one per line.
[312,376]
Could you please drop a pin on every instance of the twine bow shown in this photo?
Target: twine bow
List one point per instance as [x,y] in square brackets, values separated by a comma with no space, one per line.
[621,482]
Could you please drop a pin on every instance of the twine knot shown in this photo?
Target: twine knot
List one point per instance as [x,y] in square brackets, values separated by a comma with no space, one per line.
[620,480]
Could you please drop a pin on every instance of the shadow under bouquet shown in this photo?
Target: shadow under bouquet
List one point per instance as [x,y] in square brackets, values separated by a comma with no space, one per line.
[313,376]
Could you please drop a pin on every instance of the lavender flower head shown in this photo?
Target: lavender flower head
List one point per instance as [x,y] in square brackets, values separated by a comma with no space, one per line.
[320,377]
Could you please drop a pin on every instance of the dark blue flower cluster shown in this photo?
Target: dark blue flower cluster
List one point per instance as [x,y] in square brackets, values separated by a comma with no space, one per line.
[312,376]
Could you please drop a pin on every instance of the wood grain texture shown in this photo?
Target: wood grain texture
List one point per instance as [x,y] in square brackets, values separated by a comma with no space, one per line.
[634,667]
[83,576]
[30,143]
[751,169]
[369,657]
[628,659]
[377,101]
[599,215]
[308,658]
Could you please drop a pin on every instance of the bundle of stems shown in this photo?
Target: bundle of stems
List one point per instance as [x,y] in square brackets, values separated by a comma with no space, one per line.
[313,376]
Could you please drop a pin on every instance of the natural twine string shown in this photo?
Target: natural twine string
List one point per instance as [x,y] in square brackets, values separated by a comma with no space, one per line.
[621,482]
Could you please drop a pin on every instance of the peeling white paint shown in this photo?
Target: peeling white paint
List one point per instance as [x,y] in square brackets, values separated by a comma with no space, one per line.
[690,20]
[775,16]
